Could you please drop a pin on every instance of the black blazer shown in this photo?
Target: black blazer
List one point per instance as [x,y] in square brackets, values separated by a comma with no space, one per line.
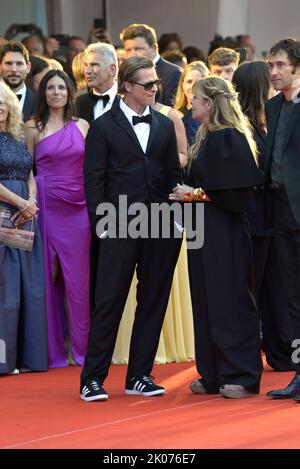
[226,170]
[29,104]
[115,163]
[84,107]
[170,75]
[291,151]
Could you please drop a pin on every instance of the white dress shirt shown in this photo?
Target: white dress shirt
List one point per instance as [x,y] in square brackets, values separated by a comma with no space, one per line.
[98,108]
[142,130]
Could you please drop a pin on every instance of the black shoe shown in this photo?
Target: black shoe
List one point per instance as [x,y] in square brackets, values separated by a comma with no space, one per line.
[143,386]
[292,389]
[297,397]
[93,391]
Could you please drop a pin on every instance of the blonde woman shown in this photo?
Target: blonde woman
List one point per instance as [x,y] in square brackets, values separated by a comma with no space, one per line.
[22,314]
[223,169]
[192,73]
[78,73]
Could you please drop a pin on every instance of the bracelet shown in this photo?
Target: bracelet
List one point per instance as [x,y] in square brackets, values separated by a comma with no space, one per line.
[24,208]
[19,202]
[32,199]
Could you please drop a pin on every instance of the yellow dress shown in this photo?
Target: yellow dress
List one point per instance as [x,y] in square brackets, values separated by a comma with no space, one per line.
[177,336]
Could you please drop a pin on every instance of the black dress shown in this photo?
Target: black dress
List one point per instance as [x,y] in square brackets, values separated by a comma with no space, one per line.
[227,341]
[23,328]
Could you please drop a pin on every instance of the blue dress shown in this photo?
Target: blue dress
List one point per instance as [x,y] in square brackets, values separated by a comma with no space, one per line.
[23,330]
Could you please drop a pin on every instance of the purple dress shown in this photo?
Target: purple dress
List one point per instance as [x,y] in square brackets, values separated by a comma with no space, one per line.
[65,228]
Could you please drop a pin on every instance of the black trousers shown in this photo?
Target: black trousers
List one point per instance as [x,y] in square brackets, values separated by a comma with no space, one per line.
[155,261]
[287,239]
[272,303]
[94,255]
[226,323]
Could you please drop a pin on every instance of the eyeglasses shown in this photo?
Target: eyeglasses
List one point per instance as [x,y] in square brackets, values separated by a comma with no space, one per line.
[148,86]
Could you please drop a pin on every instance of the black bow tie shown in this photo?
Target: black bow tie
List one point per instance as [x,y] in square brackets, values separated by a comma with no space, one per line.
[19,96]
[96,97]
[138,119]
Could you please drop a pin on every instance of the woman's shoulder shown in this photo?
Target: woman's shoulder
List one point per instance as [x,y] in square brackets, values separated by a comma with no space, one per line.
[82,125]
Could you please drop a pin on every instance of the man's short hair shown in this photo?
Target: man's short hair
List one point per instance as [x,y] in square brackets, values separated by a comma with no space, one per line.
[14,46]
[129,69]
[107,51]
[223,56]
[140,30]
[291,46]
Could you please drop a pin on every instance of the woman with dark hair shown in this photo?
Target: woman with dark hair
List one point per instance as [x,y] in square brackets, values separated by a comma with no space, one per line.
[252,82]
[56,139]
[169,42]
[39,68]
[23,330]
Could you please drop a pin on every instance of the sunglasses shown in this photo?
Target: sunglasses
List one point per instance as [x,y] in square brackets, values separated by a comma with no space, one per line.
[148,86]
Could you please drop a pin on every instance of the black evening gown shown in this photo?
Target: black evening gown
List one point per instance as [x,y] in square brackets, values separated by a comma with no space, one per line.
[227,339]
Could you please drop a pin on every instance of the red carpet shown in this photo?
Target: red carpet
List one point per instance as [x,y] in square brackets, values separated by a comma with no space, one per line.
[43,410]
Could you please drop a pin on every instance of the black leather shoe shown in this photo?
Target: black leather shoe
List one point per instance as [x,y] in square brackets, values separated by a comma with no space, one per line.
[297,397]
[292,389]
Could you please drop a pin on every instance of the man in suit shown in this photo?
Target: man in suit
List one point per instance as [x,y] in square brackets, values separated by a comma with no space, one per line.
[100,70]
[223,62]
[283,178]
[15,66]
[130,151]
[141,40]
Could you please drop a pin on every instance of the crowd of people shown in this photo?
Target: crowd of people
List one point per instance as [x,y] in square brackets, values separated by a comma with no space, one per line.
[161,125]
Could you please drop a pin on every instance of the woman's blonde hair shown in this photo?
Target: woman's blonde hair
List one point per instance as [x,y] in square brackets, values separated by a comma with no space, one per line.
[180,99]
[78,70]
[14,123]
[226,112]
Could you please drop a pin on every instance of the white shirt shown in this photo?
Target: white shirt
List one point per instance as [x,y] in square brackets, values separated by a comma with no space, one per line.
[142,130]
[156,59]
[98,108]
[22,92]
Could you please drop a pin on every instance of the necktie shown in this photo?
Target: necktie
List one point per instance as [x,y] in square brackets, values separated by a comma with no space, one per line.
[19,96]
[96,97]
[138,119]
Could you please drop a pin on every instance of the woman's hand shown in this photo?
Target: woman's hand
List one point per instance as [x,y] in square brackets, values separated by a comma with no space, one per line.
[179,191]
[26,213]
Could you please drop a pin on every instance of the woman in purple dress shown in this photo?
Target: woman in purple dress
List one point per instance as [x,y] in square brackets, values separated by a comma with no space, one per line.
[56,140]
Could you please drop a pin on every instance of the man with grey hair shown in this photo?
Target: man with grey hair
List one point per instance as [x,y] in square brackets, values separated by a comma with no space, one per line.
[100,70]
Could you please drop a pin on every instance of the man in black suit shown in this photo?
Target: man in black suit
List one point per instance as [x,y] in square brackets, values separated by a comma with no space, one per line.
[283,178]
[141,40]
[100,71]
[131,151]
[15,66]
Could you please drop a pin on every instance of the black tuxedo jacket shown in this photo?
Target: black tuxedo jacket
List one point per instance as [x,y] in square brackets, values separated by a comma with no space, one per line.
[84,107]
[29,104]
[115,163]
[170,76]
[291,151]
